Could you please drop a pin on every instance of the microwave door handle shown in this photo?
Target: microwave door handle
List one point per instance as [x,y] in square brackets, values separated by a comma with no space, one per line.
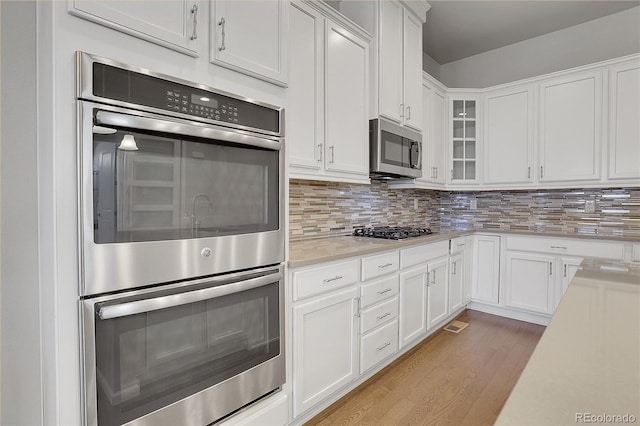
[415,150]
[150,122]
[148,305]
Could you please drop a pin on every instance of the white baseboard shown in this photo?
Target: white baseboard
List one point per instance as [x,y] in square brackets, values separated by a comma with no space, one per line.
[501,311]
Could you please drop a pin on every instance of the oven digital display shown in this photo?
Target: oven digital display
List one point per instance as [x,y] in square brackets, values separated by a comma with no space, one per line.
[204,101]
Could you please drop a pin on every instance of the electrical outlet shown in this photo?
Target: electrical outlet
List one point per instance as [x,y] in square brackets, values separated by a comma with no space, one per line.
[473,205]
[590,206]
[415,204]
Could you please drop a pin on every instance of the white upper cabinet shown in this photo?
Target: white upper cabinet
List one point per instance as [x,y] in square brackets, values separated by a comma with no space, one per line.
[327,115]
[412,71]
[508,136]
[169,23]
[346,95]
[434,112]
[570,128]
[250,37]
[624,121]
[390,60]
[396,60]
[463,139]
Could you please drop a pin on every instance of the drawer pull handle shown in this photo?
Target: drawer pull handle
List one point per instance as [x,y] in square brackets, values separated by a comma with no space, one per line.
[386,265]
[336,278]
[384,316]
[384,346]
[386,290]
[558,247]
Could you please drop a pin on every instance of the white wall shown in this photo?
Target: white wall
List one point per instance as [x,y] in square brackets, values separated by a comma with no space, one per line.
[431,66]
[21,397]
[604,38]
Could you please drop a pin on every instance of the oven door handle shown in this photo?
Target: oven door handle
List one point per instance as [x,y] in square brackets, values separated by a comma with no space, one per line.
[148,305]
[168,125]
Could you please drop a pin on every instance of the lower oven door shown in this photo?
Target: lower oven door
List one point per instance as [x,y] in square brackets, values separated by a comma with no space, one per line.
[187,353]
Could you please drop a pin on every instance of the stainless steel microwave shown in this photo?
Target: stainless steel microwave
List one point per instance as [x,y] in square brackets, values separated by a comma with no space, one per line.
[395,151]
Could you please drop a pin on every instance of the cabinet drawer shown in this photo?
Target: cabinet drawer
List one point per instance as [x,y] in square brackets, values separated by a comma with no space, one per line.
[381,264]
[379,314]
[421,254]
[379,290]
[378,345]
[636,253]
[607,250]
[325,278]
[457,244]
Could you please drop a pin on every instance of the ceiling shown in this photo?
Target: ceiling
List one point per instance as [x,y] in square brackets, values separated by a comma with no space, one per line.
[458,29]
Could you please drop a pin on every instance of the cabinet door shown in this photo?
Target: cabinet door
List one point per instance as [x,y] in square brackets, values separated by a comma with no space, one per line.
[529,283]
[170,23]
[413,304]
[325,339]
[568,268]
[412,71]
[438,136]
[624,126]
[508,142]
[570,128]
[456,282]
[437,291]
[486,268]
[250,36]
[346,94]
[305,131]
[427,134]
[463,128]
[390,60]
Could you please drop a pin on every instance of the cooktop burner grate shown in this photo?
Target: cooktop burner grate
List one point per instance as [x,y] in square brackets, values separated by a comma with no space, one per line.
[391,232]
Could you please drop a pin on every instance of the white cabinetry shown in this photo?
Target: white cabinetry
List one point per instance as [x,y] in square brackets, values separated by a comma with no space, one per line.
[396,60]
[327,118]
[456,282]
[624,126]
[568,268]
[171,23]
[529,282]
[509,135]
[434,102]
[413,304]
[325,339]
[570,128]
[486,268]
[250,37]
[463,139]
[437,291]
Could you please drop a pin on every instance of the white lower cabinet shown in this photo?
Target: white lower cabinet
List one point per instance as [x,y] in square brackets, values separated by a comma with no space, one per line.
[529,282]
[378,345]
[413,304]
[485,274]
[456,282]
[568,268]
[326,344]
[437,291]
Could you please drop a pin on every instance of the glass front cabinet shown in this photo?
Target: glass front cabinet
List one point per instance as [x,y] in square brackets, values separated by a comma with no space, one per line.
[463,139]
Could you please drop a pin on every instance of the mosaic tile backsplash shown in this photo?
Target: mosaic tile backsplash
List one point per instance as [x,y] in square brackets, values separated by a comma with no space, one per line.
[319,209]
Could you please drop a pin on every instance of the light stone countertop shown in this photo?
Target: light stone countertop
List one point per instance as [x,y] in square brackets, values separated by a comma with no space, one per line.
[587,363]
[328,249]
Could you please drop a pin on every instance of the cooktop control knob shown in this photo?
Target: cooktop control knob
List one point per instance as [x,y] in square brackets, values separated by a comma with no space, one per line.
[206,252]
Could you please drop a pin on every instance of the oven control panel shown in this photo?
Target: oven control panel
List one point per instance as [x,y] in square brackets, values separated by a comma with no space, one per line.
[202,106]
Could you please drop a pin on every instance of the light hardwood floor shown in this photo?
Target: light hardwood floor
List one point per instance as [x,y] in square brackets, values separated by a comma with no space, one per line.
[449,379]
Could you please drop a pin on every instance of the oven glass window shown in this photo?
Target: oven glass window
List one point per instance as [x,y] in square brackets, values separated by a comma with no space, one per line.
[147,361]
[172,189]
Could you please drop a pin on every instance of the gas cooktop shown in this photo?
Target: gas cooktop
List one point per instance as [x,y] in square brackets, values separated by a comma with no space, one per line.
[391,232]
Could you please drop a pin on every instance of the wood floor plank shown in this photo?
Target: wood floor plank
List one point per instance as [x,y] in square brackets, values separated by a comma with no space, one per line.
[449,379]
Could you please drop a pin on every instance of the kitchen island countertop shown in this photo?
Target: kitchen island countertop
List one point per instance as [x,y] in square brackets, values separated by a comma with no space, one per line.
[586,367]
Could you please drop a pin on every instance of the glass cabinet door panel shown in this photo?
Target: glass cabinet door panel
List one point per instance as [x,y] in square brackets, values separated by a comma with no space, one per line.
[470,109]
[458,149]
[470,170]
[458,170]
[470,129]
[458,109]
[458,129]
[470,150]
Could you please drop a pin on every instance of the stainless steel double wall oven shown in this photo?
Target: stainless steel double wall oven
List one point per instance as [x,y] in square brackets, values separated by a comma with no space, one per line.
[182,247]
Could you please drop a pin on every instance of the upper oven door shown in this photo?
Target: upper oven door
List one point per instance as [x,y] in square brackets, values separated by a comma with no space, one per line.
[165,199]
